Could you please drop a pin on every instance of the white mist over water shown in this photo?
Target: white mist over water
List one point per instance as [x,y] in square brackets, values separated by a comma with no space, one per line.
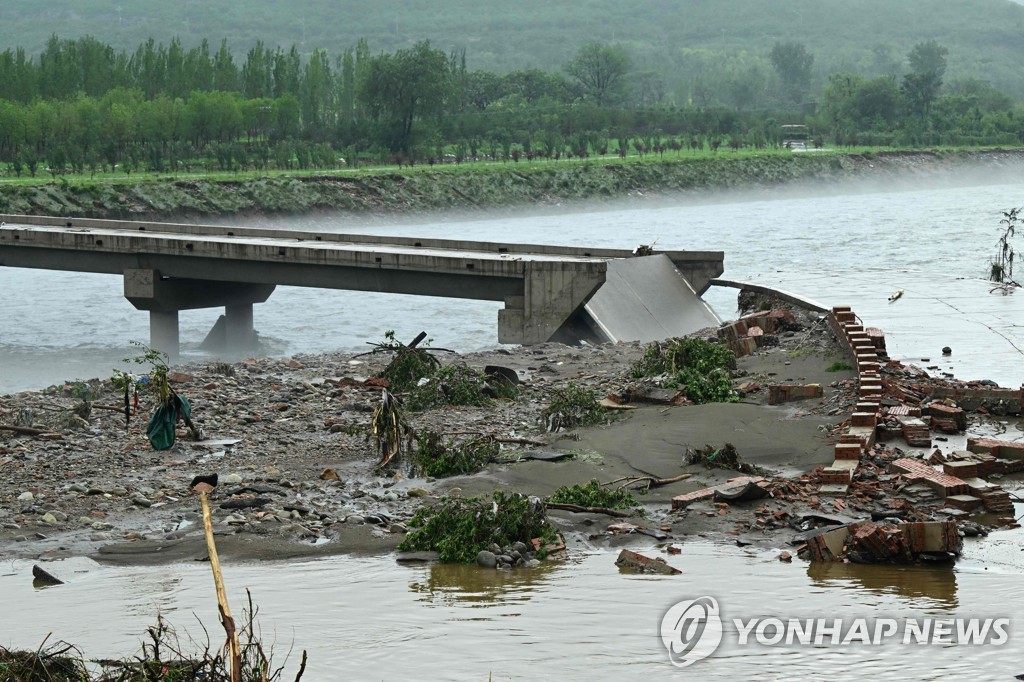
[854,248]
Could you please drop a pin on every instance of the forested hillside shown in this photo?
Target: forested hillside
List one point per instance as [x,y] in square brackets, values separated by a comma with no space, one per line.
[691,45]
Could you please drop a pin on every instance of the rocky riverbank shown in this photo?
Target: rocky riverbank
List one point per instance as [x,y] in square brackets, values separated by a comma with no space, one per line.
[364,194]
[289,442]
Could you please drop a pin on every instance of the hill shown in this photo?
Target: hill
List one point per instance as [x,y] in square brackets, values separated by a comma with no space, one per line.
[668,37]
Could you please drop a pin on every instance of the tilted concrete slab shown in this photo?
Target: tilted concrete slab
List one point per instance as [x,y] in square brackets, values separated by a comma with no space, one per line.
[646,299]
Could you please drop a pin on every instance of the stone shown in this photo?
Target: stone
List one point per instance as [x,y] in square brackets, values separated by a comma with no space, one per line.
[48,518]
[233,478]
[418,492]
[26,497]
[355,519]
[487,559]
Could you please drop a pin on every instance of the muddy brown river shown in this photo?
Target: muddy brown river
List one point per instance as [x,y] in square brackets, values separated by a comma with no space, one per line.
[371,618]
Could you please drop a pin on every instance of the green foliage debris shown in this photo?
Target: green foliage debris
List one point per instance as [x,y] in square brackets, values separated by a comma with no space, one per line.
[572,406]
[593,495]
[459,529]
[700,367]
[440,458]
[451,385]
[839,366]
[408,365]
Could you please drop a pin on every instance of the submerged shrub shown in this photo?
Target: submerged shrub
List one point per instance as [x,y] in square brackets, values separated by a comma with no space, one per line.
[459,529]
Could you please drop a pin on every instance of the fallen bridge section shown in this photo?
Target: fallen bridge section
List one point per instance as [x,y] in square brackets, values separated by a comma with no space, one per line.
[173,267]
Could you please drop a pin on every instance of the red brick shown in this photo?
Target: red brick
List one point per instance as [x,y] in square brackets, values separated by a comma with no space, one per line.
[954,414]
[784,393]
[836,475]
[683,501]
[848,451]
[864,419]
[961,469]
[943,484]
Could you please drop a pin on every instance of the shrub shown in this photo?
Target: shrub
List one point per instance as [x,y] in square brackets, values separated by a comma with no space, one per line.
[440,459]
[459,529]
[700,367]
[451,385]
[593,495]
[572,406]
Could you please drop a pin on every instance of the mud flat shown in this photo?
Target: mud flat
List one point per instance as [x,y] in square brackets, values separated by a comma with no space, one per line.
[289,442]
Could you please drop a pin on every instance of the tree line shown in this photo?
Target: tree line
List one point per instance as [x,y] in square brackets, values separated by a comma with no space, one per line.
[83,106]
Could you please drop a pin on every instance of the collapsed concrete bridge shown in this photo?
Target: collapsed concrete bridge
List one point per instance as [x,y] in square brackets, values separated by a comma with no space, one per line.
[549,292]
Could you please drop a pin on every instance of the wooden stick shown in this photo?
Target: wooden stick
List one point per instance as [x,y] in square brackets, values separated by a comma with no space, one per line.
[222,598]
[26,431]
[652,482]
[589,510]
[302,667]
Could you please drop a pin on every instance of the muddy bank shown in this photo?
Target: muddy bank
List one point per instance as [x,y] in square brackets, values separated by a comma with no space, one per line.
[288,440]
[471,189]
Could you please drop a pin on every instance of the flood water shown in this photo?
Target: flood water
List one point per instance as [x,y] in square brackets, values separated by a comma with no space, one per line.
[371,618]
[855,248]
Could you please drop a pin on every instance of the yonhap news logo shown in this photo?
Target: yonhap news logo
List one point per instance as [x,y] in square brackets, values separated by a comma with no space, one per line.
[693,630]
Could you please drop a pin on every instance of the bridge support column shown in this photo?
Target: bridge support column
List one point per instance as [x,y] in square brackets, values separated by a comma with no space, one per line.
[163,332]
[163,297]
[239,331]
[552,292]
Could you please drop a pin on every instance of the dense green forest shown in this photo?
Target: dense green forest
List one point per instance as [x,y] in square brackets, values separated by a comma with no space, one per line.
[87,106]
[692,45]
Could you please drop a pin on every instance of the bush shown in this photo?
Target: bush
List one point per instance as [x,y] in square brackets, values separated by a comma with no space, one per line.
[572,406]
[451,385]
[593,495]
[408,365]
[439,459]
[460,529]
[839,366]
[700,367]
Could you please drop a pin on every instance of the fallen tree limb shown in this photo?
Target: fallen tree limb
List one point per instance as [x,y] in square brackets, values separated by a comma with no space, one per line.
[28,431]
[619,513]
[651,481]
[496,439]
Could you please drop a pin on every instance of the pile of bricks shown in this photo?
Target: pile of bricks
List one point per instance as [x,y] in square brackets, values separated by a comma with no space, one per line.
[747,334]
[896,543]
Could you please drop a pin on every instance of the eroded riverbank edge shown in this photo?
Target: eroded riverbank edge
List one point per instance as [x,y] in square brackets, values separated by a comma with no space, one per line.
[395,193]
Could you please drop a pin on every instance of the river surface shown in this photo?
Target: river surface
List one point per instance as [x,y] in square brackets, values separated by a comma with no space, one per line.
[370,618]
[856,248]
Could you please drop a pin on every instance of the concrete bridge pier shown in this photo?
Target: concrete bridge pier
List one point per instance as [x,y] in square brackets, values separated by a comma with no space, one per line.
[163,297]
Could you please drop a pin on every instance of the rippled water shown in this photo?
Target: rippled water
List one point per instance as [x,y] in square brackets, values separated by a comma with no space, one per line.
[370,618]
[839,248]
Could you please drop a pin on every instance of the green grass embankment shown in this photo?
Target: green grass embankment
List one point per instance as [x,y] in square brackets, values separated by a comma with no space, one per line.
[465,187]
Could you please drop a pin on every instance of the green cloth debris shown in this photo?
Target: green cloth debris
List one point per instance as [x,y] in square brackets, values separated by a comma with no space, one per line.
[165,417]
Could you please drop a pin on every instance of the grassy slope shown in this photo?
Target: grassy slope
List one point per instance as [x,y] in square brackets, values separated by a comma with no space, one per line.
[467,187]
[983,35]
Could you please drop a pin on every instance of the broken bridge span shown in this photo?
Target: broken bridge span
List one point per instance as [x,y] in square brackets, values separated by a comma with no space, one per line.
[549,292]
